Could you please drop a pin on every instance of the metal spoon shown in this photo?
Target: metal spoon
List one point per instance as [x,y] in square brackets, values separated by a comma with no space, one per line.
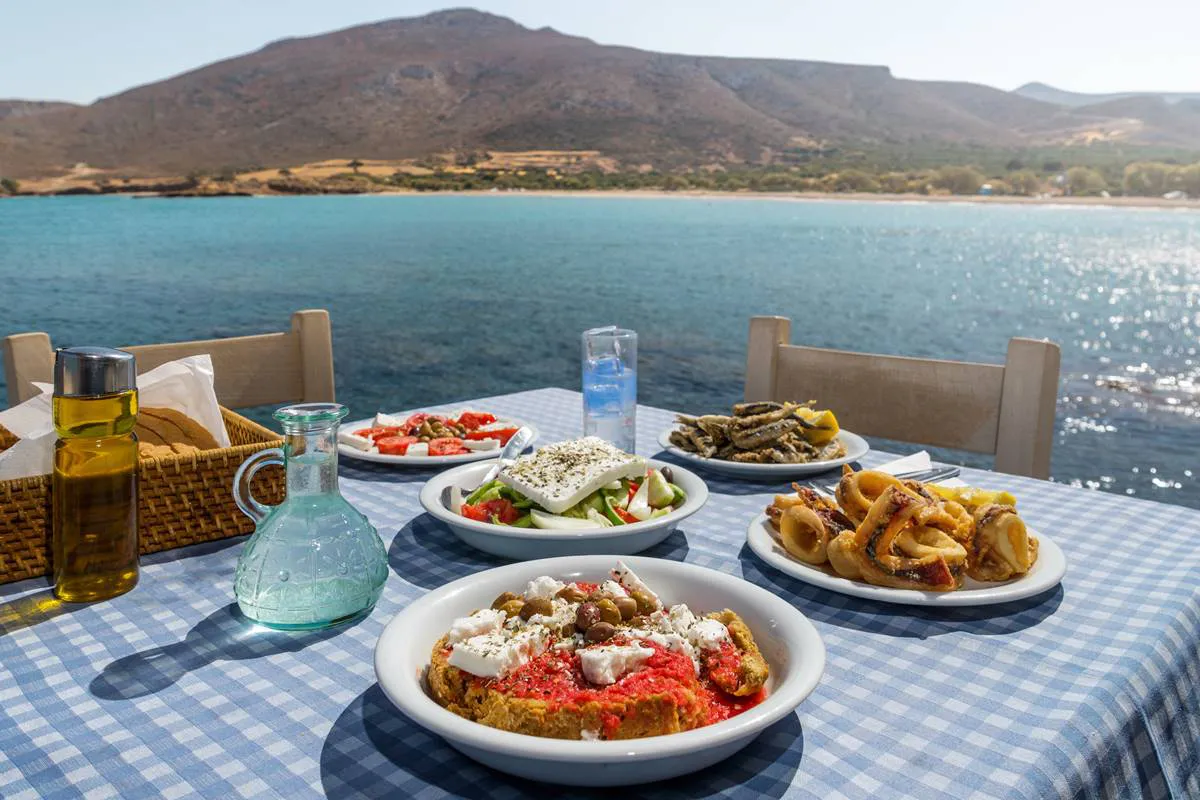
[519,441]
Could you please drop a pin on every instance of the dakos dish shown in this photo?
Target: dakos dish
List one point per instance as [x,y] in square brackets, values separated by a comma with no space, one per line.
[567,498]
[598,671]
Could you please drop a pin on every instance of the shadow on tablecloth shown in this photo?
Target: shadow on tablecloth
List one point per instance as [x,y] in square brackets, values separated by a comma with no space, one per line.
[224,635]
[822,605]
[425,553]
[370,726]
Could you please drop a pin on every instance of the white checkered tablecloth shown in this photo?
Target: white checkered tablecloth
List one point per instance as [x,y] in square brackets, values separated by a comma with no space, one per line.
[1087,691]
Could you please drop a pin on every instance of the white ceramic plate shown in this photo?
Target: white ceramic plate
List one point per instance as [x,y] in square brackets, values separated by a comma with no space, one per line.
[788,641]
[856,448]
[422,461]
[1047,572]
[526,543]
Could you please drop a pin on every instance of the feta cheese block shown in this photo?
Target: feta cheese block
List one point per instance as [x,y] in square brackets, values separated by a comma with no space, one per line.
[560,475]
[355,441]
[607,664]
[417,449]
[475,445]
[383,420]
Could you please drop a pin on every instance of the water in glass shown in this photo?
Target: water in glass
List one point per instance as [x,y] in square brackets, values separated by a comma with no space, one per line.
[610,385]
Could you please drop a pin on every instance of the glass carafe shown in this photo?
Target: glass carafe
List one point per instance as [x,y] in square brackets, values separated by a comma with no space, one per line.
[314,560]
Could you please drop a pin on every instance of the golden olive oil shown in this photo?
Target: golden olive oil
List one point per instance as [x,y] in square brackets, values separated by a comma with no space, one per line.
[95,543]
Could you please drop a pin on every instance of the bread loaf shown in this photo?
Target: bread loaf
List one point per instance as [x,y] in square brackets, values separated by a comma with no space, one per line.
[165,431]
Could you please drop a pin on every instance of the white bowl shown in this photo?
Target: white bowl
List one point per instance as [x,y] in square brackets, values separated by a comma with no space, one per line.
[788,641]
[856,448]
[526,543]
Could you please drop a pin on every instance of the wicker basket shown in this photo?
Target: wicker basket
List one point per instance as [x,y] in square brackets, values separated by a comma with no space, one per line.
[182,500]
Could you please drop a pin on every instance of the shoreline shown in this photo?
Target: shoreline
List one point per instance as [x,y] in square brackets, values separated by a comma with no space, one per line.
[653,194]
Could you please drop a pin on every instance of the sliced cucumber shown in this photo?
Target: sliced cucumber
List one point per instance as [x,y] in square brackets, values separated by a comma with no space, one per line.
[554,522]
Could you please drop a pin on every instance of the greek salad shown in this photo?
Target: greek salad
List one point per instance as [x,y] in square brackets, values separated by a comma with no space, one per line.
[583,484]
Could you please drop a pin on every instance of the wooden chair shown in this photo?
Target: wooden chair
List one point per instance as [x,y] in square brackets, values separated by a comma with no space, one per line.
[985,408]
[296,366]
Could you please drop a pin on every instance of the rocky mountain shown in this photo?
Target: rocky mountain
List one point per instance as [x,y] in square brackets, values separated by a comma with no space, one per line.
[463,79]
[28,108]
[1050,94]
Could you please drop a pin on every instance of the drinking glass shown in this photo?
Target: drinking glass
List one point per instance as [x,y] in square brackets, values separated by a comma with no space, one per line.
[610,385]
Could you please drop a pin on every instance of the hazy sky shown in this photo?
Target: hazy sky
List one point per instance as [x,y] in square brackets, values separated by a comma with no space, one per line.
[83,49]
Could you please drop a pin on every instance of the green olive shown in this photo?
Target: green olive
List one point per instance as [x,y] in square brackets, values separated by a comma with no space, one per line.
[513,607]
[572,594]
[627,606]
[504,598]
[645,603]
[538,605]
[609,612]
[600,632]
[586,616]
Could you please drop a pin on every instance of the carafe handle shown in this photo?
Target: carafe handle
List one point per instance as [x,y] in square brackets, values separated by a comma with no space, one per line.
[245,474]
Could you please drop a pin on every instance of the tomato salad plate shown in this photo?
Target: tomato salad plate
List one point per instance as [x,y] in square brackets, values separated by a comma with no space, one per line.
[599,670]
[423,439]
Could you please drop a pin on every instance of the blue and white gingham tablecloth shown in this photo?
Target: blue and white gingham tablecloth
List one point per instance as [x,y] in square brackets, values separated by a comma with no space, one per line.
[1087,691]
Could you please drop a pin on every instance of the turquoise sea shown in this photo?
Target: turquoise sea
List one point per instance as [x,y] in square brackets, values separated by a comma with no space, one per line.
[439,298]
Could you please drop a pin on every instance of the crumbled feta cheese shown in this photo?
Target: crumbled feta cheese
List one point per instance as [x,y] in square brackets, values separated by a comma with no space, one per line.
[613,589]
[486,620]
[589,736]
[383,420]
[543,586]
[625,576]
[494,655]
[481,444]
[559,475]
[562,615]
[708,634]
[607,664]
[417,449]
[353,440]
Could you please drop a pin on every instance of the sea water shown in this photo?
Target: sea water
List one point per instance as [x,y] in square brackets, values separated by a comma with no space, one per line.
[440,298]
[610,401]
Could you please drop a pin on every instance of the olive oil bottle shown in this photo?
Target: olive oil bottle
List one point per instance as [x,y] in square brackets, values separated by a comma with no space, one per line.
[94,548]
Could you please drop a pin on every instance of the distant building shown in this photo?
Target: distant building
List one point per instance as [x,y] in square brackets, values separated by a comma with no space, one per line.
[1175,195]
[985,189]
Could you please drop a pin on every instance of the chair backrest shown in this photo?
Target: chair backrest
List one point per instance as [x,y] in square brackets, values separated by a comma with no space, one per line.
[296,366]
[985,408]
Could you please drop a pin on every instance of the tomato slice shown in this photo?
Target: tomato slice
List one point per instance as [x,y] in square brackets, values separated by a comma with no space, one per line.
[447,446]
[633,489]
[503,434]
[503,510]
[472,420]
[625,516]
[395,445]
[477,512]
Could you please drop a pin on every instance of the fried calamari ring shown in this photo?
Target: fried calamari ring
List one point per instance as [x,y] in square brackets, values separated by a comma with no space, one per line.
[856,491]
[841,556]
[1002,547]
[876,546]
[803,534]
